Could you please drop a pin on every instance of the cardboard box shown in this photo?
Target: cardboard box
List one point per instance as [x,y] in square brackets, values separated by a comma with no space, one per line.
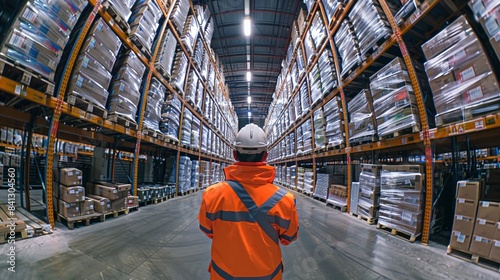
[371,169]
[132,201]
[70,177]
[101,204]
[403,168]
[69,209]
[460,241]
[87,207]
[495,251]
[71,194]
[119,204]
[480,246]
[119,186]
[497,231]
[437,83]
[477,66]
[485,228]
[463,224]
[466,208]
[469,189]
[105,191]
[489,211]
[495,43]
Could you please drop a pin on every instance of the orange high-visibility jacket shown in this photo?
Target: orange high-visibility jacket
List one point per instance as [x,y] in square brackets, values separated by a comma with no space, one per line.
[247,217]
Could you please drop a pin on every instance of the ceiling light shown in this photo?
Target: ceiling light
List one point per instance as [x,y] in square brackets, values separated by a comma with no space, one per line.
[249,114]
[249,99]
[247,26]
[249,76]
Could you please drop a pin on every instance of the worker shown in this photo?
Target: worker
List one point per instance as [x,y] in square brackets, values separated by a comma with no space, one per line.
[247,217]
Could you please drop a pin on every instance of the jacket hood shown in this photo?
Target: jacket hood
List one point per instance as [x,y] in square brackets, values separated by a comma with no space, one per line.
[250,173]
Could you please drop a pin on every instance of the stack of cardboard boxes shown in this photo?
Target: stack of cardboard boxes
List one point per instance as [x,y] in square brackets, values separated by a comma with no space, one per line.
[369,191]
[337,195]
[476,228]
[69,195]
[115,193]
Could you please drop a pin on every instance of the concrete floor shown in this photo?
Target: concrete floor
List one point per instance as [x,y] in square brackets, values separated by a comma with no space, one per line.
[163,242]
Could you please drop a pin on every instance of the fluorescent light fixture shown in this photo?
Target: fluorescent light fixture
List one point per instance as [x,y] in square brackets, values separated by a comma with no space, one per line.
[249,114]
[249,99]
[249,76]
[247,26]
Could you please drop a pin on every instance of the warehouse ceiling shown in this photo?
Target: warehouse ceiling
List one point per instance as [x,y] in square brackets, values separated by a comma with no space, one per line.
[267,46]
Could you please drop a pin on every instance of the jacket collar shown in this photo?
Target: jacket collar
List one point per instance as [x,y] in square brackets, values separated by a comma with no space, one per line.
[250,173]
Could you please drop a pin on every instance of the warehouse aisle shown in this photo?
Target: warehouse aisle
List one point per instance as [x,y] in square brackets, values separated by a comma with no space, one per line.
[163,242]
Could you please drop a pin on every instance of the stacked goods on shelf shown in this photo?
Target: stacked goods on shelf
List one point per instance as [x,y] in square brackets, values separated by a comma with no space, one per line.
[297,105]
[155,100]
[40,33]
[310,5]
[354,199]
[1,174]
[166,54]
[402,10]
[369,186]
[300,178]
[293,176]
[337,195]
[185,170]
[291,137]
[319,129]
[144,193]
[318,30]
[334,131]
[362,126]
[116,193]
[394,102]
[190,33]
[323,181]
[370,25]
[327,71]
[186,128]
[460,75]
[300,141]
[493,193]
[347,46]
[179,70]
[488,14]
[309,48]
[125,88]
[102,205]
[304,99]
[308,181]
[468,193]
[307,136]
[486,228]
[402,198]
[191,87]
[195,133]
[144,23]
[170,117]
[179,14]
[204,138]
[195,172]
[132,201]
[68,193]
[315,84]
[121,8]
[91,75]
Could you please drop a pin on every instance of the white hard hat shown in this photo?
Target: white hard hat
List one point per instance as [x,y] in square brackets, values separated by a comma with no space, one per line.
[251,139]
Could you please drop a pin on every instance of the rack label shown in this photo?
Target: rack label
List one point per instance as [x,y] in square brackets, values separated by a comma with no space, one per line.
[481,221]
[17,89]
[473,94]
[479,124]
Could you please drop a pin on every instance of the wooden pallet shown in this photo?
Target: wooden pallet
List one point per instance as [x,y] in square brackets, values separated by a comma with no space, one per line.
[133,208]
[473,258]
[400,234]
[335,205]
[368,220]
[72,221]
[319,198]
[409,130]
[35,226]
[16,72]
[113,214]
[123,121]
[86,105]
[160,200]
[465,114]
[106,6]
[363,140]
[11,226]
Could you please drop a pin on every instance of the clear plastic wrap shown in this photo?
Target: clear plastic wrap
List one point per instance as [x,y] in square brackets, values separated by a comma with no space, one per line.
[330,8]
[337,194]
[166,55]
[308,181]
[453,33]
[128,74]
[93,69]
[319,129]
[130,58]
[179,14]
[310,50]
[122,106]
[315,84]
[99,52]
[190,33]
[122,8]
[304,99]
[62,11]
[347,46]
[307,135]
[354,199]
[101,30]
[361,123]
[327,71]
[318,30]
[83,86]
[124,89]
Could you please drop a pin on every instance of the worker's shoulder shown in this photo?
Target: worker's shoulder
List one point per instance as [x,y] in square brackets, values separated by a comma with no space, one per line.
[216,188]
[288,198]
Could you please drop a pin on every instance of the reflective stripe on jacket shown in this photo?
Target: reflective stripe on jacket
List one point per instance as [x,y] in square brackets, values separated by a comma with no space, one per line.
[247,221]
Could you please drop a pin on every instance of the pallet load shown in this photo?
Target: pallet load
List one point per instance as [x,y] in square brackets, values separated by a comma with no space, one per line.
[354,199]
[170,117]
[369,198]
[460,74]
[39,35]
[308,181]
[300,178]
[488,14]
[156,98]
[337,197]
[348,47]
[319,129]
[362,124]
[334,131]
[91,75]
[144,22]
[116,193]
[186,128]
[394,102]
[402,199]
